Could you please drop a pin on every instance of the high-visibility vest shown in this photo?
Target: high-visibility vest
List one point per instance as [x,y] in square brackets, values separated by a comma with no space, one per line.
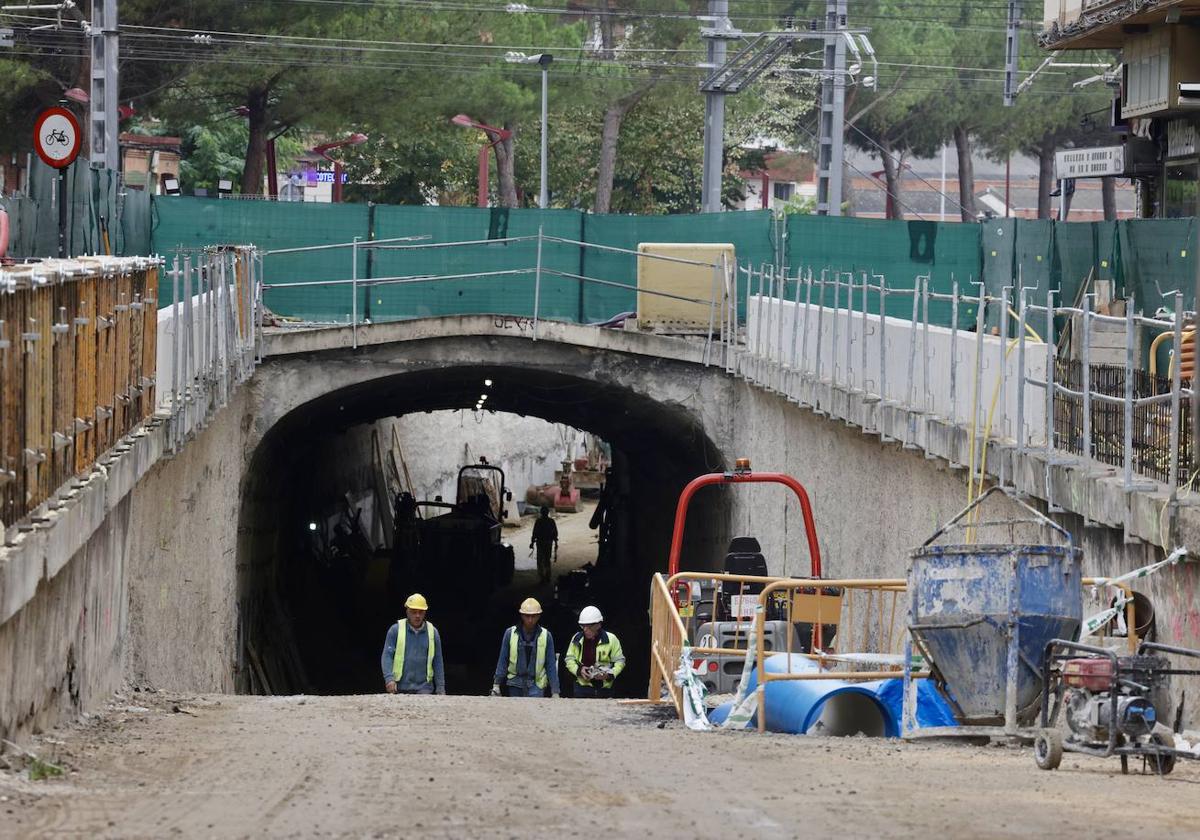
[539,674]
[608,652]
[402,640]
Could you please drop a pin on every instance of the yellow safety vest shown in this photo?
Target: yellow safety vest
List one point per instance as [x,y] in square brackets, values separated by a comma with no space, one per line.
[402,640]
[539,675]
[608,652]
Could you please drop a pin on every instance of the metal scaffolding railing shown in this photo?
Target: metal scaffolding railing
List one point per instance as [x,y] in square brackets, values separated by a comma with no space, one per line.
[817,339]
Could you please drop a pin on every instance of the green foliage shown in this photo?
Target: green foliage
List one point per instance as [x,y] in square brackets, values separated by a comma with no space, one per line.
[40,770]
[402,92]
[211,153]
[799,205]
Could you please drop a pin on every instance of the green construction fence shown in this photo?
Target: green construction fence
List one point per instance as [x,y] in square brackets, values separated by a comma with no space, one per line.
[97,208]
[1144,259]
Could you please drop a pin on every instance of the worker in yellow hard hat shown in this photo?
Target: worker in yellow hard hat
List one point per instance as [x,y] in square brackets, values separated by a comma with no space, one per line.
[412,653]
[527,664]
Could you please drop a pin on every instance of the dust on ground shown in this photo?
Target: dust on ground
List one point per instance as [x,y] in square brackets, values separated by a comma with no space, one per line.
[156,765]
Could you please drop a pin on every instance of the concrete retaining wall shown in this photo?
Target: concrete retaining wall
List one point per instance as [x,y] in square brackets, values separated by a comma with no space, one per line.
[134,579]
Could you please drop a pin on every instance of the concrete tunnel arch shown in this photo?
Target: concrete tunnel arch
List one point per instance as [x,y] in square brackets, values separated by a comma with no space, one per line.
[661,444]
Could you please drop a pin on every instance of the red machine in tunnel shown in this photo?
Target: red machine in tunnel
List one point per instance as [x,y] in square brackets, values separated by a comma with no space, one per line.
[716,610]
[743,475]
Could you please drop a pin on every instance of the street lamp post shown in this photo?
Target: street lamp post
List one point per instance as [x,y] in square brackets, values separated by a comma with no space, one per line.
[494,135]
[543,60]
[355,139]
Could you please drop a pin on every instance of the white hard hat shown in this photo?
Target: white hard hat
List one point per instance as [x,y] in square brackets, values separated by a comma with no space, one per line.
[590,615]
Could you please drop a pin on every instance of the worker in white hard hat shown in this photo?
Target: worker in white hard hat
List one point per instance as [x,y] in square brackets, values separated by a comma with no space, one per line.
[594,656]
[527,664]
[412,653]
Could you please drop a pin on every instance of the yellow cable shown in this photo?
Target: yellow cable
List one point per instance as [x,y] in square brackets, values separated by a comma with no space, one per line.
[1032,332]
[1162,522]
[987,431]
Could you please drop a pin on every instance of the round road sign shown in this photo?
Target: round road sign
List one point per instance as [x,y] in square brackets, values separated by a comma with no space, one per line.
[57,137]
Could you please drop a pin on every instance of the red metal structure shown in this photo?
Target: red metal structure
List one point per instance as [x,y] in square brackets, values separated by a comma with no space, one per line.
[494,135]
[743,475]
[355,139]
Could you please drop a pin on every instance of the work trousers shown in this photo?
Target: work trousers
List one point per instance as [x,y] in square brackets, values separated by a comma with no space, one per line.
[588,692]
[544,550]
[525,691]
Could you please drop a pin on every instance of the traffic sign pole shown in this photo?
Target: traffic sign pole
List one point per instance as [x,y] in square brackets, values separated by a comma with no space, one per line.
[56,139]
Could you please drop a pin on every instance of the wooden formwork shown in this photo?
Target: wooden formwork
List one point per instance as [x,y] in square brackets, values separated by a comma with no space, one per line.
[106,362]
[121,363]
[77,361]
[85,373]
[12,428]
[149,340]
[37,341]
[62,456]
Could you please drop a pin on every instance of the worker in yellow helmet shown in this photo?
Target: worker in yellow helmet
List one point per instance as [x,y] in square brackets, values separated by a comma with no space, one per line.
[412,653]
[527,664]
[594,656]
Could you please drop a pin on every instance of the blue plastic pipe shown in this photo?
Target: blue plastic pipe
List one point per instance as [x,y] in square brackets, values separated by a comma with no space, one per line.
[834,707]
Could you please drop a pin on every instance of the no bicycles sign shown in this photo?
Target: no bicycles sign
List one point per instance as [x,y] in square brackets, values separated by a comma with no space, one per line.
[57,137]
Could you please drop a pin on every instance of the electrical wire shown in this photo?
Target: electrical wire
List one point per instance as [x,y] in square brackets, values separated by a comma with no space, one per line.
[883,187]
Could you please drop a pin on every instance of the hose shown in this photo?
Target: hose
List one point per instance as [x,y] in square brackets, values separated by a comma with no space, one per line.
[987,431]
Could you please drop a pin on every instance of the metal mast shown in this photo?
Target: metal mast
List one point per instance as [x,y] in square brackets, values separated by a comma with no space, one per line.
[833,112]
[102,109]
[714,109]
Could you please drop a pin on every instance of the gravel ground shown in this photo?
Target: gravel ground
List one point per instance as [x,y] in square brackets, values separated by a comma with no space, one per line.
[155,765]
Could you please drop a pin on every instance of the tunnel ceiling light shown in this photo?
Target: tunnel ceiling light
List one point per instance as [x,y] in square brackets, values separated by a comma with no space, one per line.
[312,526]
[482,397]
[487,383]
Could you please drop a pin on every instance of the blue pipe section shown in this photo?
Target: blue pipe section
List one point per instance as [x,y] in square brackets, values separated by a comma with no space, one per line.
[801,707]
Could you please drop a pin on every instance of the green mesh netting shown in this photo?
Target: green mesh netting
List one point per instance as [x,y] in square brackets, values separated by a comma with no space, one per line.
[96,206]
[899,251]
[1144,258]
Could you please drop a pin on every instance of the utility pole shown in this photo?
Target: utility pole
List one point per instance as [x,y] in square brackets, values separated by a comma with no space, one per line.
[1011,45]
[544,185]
[714,109]
[833,112]
[102,107]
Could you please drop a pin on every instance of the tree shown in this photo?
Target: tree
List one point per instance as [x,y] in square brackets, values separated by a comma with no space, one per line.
[1049,115]
[905,114]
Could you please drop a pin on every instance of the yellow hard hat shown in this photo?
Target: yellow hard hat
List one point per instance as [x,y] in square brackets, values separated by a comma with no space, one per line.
[416,601]
[530,606]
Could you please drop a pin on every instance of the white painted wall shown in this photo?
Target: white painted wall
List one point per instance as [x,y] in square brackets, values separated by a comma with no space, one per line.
[437,444]
[805,335]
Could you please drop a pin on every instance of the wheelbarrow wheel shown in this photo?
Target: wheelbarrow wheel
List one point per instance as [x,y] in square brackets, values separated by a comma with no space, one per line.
[1048,749]
[1161,763]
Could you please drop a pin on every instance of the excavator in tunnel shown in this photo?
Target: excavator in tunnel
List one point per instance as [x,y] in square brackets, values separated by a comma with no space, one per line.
[459,555]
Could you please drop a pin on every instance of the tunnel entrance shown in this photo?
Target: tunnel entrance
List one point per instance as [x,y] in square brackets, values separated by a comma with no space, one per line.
[318,593]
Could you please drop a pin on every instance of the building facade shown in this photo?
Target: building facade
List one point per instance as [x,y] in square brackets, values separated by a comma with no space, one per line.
[1157,84]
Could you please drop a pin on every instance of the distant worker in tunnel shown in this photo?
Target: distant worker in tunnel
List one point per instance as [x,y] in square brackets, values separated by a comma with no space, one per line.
[545,539]
[594,656]
[412,653]
[526,663]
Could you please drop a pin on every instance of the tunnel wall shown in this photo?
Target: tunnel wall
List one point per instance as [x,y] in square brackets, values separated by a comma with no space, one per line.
[528,449]
[149,597]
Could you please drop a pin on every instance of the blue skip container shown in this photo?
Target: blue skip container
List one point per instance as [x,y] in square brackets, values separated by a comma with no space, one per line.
[984,612]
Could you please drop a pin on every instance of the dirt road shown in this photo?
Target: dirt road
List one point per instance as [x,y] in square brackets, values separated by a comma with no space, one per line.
[456,767]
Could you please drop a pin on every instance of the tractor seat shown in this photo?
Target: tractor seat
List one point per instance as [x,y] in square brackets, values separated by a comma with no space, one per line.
[744,557]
